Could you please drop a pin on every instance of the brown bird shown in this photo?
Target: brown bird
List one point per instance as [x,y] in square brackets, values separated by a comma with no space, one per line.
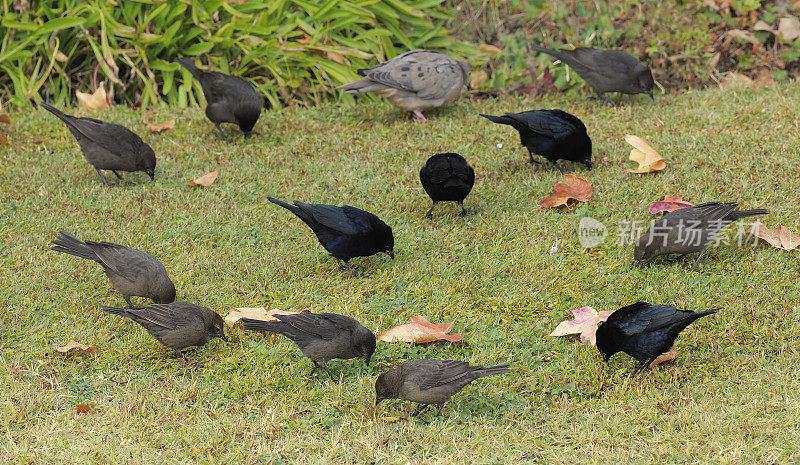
[108,146]
[177,325]
[132,272]
[415,81]
[429,381]
[687,230]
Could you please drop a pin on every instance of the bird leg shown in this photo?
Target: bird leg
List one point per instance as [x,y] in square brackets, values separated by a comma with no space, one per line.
[118,175]
[224,137]
[463,210]
[419,115]
[703,252]
[313,370]
[103,178]
[605,98]
[324,366]
[643,366]
[531,160]
[439,411]
[430,212]
[419,409]
[128,300]
[187,361]
[559,167]
[343,265]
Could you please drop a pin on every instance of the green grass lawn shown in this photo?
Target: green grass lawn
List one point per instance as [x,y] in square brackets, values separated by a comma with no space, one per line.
[732,395]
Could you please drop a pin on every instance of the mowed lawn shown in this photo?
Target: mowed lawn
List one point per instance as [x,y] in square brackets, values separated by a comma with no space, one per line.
[732,395]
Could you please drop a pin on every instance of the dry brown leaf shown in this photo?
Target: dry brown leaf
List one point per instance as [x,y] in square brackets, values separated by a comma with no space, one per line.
[83,408]
[390,419]
[205,180]
[306,40]
[734,80]
[669,204]
[96,101]
[5,119]
[789,28]
[420,331]
[575,188]
[665,357]
[780,237]
[3,140]
[585,323]
[255,313]
[648,159]
[77,346]
[158,127]
[334,57]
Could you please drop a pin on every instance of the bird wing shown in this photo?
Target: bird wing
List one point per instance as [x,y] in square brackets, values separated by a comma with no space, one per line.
[322,325]
[114,138]
[330,216]
[428,74]
[709,216]
[443,372]
[156,317]
[122,260]
[643,317]
[549,123]
[603,62]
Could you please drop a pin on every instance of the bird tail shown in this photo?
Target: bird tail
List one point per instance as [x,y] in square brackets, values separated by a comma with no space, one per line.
[491,371]
[292,208]
[539,49]
[69,244]
[706,313]
[498,119]
[260,325]
[189,65]
[738,214]
[115,311]
[54,111]
[361,86]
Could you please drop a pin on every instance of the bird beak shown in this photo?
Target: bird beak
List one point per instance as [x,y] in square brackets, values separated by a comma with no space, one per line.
[391,254]
[152,176]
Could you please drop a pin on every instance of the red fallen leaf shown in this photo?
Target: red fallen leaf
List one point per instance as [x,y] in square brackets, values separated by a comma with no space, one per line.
[669,204]
[4,118]
[584,323]
[83,408]
[780,237]
[77,346]
[158,127]
[306,40]
[578,189]
[420,331]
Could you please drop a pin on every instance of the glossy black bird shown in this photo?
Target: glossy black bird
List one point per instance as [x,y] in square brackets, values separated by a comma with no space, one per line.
[643,331]
[229,99]
[131,271]
[345,232]
[447,177]
[177,325]
[687,230]
[553,134]
[429,381]
[108,146]
[606,70]
[321,336]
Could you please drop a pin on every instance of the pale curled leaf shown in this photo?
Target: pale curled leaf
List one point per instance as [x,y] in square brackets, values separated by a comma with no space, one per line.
[95,101]
[157,127]
[780,237]
[648,159]
[669,204]
[585,323]
[5,119]
[575,188]
[255,313]
[420,331]
[77,347]
[205,180]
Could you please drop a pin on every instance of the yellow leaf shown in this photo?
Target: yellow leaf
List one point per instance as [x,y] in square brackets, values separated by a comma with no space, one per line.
[390,419]
[96,101]
[255,313]
[648,159]
[780,237]
[489,49]
[477,79]
[205,180]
